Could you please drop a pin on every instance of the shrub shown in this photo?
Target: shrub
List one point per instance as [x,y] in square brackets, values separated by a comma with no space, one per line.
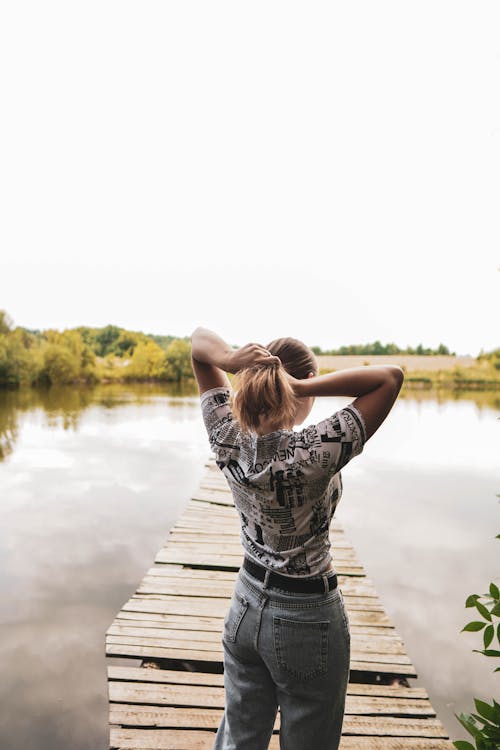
[148,362]
[178,360]
[484,726]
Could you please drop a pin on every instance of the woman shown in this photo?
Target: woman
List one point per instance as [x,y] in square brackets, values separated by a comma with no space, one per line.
[286,635]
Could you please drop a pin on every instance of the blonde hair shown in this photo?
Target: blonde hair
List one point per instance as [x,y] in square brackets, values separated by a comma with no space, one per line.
[264,389]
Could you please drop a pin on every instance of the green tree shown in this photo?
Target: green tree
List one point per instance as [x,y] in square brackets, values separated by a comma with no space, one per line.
[442,349]
[105,339]
[125,344]
[492,357]
[178,360]
[59,365]
[148,362]
[65,358]
[17,360]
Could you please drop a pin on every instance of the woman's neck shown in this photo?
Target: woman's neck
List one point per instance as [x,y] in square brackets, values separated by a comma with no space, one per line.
[265,427]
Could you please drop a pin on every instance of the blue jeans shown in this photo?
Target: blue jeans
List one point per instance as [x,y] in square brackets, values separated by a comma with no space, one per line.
[283,649]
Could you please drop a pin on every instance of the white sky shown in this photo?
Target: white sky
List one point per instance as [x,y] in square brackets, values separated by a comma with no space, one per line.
[324,170]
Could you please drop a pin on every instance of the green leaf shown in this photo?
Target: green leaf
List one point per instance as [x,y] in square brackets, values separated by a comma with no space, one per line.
[463,745]
[496,715]
[489,730]
[477,718]
[496,610]
[498,632]
[484,744]
[491,652]
[484,709]
[483,611]
[495,593]
[474,625]
[471,600]
[469,724]
[488,635]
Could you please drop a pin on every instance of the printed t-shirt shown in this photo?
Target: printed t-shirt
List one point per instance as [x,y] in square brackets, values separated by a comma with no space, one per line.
[286,485]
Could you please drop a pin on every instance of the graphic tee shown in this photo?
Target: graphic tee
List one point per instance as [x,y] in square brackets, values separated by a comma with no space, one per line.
[286,485]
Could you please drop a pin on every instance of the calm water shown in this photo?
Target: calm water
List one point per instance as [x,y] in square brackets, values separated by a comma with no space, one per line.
[92,480]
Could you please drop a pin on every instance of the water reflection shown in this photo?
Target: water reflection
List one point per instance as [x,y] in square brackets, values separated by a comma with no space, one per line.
[62,406]
[87,497]
[93,479]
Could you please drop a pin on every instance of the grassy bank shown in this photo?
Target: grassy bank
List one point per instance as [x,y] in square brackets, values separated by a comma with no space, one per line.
[481,375]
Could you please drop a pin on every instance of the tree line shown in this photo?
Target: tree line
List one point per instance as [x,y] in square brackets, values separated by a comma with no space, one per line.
[90,355]
[378,348]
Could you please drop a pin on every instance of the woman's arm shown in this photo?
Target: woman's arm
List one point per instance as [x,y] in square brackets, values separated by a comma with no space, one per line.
[208,347]
[354,381]
[376,387]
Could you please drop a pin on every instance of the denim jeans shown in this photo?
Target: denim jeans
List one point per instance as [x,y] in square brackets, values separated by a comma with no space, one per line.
[284,649]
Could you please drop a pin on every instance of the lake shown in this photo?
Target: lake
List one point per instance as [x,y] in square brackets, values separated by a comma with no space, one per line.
[92,479]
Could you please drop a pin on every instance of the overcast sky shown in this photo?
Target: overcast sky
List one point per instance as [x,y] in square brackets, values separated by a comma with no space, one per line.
[323,170]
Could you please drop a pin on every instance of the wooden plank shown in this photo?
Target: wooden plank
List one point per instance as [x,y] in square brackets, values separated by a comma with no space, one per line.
[161,739]
[215,483]
[221,560]
[218,498]
[355,591]
[190,587]
[131,633]
[173,716]
[148,739]
[158,619]
[357,606]
[233,547]
[166,739]
[382,665]
[194,622]
[202,535]
[157,652]
[198,574]
[170,676]
[216,607]
[174,677]
[195,507]
[199,696]
[162,636]
[206,641]
[350,585]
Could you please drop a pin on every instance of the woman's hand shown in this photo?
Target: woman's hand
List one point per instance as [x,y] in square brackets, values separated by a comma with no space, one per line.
[254,354]
[247,356]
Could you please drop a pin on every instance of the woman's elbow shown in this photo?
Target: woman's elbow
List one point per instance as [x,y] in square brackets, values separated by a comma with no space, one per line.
[397,373]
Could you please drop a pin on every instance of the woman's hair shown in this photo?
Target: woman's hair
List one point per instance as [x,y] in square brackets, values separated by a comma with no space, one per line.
[264,389]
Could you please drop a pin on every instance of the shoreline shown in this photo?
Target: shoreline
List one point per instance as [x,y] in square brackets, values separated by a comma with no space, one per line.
[422,381]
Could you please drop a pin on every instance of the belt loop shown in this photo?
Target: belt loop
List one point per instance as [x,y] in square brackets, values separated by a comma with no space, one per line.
[266,578]
[326,583]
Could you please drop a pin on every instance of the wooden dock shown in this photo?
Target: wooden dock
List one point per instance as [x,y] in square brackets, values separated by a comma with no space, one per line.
[173,697]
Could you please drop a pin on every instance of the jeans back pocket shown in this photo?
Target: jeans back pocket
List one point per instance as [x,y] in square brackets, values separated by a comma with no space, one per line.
[301,647]
[232,621]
